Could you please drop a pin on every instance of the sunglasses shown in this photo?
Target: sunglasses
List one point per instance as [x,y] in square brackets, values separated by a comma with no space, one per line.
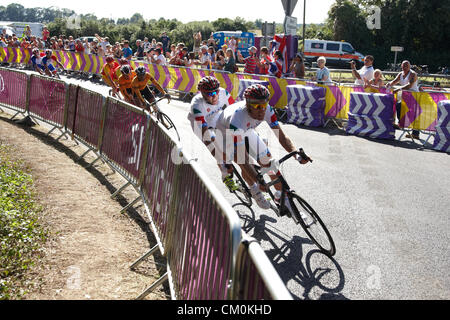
[212,94]
[259,106]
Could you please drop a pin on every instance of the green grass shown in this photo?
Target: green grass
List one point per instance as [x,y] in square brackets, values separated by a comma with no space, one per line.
[21,234]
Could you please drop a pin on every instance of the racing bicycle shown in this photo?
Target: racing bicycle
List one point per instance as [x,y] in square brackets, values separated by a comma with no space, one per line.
[298,209]
[163,118]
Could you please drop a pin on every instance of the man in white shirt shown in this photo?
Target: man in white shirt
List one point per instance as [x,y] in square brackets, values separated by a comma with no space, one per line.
[365,74]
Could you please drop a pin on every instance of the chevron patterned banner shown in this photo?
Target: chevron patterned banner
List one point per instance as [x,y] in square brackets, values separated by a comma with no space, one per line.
[419,109]
[372,104]
[442,137]
[371,114]
[370,126]
[306,105]
[245,83]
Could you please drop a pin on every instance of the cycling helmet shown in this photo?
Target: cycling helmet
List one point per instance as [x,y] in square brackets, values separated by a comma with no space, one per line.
[109,59]
[208,84]
[123,61]
[257,92]
[125,69]
[140,71]
[47,51]
[35,50]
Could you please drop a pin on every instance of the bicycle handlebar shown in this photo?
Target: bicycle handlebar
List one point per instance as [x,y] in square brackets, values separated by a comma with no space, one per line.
[156,101]
[300,152]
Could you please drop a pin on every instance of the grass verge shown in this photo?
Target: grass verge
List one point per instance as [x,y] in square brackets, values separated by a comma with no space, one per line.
[21,234]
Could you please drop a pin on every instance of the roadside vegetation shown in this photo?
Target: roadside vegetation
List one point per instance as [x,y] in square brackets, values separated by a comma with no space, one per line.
[21,234]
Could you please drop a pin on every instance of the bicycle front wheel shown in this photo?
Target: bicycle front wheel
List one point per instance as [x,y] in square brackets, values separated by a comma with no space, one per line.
[314,227]
[167,122]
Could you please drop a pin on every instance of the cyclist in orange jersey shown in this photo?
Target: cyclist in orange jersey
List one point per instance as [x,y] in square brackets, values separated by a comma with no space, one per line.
[141,90]
[125,81]
[107,73]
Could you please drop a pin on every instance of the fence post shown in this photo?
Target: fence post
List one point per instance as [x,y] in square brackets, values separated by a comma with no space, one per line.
[102,125]
[144,155]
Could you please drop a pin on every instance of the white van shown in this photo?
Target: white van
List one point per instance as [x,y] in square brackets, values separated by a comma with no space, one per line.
[337,53]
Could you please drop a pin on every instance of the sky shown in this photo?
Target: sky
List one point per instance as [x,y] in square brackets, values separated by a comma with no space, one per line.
[189,10]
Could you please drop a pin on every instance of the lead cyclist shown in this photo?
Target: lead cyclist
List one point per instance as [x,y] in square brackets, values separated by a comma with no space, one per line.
[236,125]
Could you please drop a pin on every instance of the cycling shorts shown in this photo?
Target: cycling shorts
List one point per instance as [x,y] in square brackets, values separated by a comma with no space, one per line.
[51,67]
[234,147]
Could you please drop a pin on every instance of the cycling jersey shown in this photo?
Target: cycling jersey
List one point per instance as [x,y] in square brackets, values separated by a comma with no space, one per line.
[126,83]
[47,62]
[37,61]
[205,114]
[141,85]
[236,126]
[109,70]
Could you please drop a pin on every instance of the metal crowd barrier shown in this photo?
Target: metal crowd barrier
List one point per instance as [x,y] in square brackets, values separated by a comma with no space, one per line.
[197,230]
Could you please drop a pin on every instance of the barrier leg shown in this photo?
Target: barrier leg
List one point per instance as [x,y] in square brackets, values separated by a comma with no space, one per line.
[120,190]
[63,134]
[145,256]
[152,287]
[82,156]
[130,204]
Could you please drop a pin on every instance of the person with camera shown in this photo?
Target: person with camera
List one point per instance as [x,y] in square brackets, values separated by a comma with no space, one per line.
[365,74]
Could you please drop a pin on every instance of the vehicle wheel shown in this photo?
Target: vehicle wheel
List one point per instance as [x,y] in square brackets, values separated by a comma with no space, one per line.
[314,227]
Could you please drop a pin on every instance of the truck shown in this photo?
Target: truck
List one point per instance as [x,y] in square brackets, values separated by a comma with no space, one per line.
[337,53]
[245,40]
[18,28]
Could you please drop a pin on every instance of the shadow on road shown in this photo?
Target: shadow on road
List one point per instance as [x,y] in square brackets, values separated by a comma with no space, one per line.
[320,277]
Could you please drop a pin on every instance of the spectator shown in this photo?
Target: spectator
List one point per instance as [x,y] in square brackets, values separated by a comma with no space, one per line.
[147,45]
[87,46]
[165,40]
[197,41]
[276,66]
[220,60]
[139,54]
[230,63]
[27,33]
[204,58]
[365,73]
[71,44]
[265,61]
[172,55]
[323,74]
[153,44]
[377,81]
[45,36]
[212,53]
[159,58]
[408,80]
[298,67]
[126,50]
[250,62]
[189,61]
[211,41]
[102,42]
[232,44]
[79,46]
[94,47]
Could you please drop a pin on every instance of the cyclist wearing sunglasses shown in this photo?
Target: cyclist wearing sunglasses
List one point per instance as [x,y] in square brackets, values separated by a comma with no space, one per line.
[238,139]
[206,108]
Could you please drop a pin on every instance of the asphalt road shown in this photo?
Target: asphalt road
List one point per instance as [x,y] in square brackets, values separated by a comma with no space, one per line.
[386,204]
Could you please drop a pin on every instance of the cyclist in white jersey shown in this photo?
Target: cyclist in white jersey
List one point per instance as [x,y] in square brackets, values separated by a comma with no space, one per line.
[206,108]
[238,138]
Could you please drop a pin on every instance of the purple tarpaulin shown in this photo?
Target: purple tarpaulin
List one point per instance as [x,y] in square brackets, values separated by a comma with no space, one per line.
[306,105]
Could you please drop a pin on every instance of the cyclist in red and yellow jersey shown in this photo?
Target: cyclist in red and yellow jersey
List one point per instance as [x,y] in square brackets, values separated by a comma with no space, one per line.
[141,90]
[107,73]
[125,81]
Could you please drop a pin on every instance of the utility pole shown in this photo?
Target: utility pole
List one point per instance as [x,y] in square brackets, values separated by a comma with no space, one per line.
[304,26]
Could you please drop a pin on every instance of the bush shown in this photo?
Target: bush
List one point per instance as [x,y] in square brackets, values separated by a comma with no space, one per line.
[21,235]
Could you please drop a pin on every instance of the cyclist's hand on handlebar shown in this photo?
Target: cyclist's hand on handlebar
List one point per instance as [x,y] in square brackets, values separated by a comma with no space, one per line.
[303,158]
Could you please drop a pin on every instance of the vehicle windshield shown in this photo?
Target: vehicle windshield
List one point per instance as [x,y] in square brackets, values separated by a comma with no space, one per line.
[347,48]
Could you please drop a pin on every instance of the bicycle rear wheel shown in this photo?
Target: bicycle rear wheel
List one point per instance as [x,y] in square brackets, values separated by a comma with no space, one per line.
[314,226]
